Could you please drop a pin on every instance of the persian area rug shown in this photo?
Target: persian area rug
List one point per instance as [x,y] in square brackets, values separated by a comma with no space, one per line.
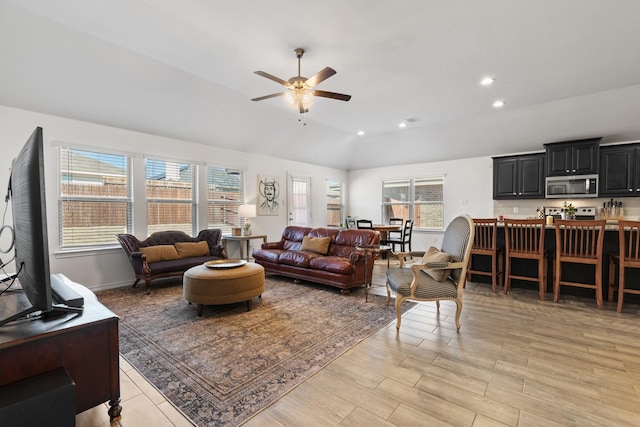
[224,367]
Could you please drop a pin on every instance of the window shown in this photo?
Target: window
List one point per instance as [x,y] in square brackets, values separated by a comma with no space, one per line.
[171,196]
[225,192]
[335,205]
[95,198]
[420,199]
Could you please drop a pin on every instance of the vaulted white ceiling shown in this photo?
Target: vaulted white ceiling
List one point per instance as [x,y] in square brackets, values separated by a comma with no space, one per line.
[567,69]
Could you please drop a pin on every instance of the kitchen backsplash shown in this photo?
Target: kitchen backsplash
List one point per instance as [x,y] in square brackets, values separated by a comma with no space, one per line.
[528,208]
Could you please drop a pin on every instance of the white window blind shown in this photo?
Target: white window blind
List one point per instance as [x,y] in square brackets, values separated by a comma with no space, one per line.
[95,198]
[225,192]
[171,196]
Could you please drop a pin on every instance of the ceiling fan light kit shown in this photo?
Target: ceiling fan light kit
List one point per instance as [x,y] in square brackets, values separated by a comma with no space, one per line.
[300,90]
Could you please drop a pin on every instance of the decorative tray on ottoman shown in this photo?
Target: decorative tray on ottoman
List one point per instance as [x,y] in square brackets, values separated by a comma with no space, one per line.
[225,263]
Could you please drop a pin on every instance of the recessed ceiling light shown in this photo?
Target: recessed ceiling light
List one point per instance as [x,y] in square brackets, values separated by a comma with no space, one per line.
[498,104]
[487,81]
[402,125]
[360,133]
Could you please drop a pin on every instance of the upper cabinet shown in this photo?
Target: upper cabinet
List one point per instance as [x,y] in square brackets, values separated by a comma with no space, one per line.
[620,170]
[572,157]
[518,177]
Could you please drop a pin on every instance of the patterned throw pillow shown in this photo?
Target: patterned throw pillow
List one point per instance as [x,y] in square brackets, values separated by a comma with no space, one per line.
[435,256]
[319,245]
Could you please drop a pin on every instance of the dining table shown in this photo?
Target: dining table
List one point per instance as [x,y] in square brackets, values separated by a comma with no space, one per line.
[384,229]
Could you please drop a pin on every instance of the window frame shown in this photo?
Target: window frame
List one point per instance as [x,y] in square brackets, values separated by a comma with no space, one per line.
[336,206]
[409,199]
[213,203]
[62,199]
[193,202]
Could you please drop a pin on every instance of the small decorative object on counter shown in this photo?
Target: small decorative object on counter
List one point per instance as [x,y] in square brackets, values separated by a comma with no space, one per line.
[568,211]
[540,212]
[612,210]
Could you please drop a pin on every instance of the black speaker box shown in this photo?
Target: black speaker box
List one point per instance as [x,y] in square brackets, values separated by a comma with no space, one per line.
[47,400]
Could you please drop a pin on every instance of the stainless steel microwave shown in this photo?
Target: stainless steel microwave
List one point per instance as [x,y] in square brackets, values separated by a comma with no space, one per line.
[558,187]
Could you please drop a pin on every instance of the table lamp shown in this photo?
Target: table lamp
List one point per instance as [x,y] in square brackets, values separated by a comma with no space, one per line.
[246,212]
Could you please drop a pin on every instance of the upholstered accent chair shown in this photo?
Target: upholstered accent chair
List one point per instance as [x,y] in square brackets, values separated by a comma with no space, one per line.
[439,275]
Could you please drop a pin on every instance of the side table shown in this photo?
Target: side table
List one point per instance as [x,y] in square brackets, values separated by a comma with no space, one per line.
[242,239]
[373,249]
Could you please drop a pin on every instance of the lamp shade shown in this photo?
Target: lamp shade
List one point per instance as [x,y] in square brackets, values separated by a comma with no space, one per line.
[247,211]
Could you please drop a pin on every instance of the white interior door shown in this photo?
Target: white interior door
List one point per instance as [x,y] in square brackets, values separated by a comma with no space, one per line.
[299,200]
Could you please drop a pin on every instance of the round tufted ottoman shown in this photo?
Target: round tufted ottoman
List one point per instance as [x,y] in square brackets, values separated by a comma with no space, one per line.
[210,286]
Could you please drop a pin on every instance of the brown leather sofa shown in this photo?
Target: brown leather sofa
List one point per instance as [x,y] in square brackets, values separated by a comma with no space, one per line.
[342,266]
[170,253]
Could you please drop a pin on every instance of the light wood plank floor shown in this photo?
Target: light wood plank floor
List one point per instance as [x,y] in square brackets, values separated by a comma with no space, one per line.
[516,362]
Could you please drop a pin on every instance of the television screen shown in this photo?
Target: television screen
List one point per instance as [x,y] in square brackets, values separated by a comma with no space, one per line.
[27,195]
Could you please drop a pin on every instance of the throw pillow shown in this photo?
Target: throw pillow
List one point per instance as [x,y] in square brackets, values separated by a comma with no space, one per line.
[192,249]
[159,253]
[319,245]
[433,255]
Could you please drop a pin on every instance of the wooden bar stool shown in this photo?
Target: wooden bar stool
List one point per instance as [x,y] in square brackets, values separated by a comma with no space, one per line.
[484,244]
[628,257]
[524,239]
[579,242]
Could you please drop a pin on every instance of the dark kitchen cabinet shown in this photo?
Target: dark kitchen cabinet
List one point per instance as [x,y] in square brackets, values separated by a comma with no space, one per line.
[518,177]
[572,157]
[620,170]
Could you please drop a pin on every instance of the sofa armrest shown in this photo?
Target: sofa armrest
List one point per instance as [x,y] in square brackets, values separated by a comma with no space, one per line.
[218,250]
[138,262]
[272,245]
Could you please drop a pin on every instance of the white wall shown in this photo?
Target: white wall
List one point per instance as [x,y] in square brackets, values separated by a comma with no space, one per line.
[467,189]
[108,268]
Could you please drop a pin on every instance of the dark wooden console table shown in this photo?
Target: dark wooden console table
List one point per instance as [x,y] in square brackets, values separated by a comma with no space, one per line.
[86,345]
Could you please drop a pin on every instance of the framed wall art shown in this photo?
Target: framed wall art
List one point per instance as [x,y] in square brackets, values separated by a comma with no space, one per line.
[268,195]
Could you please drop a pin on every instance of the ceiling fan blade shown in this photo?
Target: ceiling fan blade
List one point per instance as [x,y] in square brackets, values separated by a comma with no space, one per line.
[273,95]
[272,77]
[332,95]
[321,75]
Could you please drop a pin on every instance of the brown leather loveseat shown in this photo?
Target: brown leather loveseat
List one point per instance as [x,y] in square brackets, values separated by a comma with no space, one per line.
[320,255]
[170,253]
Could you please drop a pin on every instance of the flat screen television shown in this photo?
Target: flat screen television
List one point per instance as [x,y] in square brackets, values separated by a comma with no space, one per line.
[28,203]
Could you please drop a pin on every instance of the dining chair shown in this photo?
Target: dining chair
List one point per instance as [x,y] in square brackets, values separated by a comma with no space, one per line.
[579,242]
[627,257]
[405,238]
[395,234]
[365,224]
[440,274]
[524,240]
[485,245]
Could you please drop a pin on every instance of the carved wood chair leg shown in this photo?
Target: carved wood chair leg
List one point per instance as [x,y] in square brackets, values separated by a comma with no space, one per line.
[458,312]
[398,311]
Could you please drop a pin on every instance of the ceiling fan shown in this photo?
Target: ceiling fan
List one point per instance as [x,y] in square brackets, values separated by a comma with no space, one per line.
[301,90]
